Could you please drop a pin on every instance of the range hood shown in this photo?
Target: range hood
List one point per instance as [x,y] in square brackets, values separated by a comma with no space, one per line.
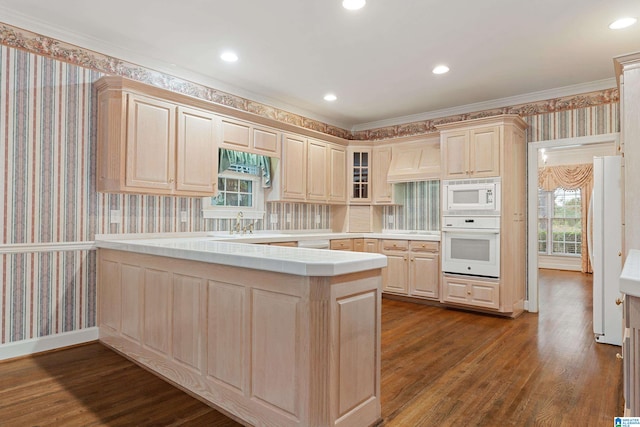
[415,161]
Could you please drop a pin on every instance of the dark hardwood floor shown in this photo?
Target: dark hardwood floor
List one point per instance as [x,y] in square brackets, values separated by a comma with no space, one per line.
[439,368]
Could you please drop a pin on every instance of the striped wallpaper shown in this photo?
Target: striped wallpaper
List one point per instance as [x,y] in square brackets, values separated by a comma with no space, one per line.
[47,182]
[418,207]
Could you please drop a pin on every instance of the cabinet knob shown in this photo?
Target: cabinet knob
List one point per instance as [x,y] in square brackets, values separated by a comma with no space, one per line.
[619,356]
[618,301]
[171,180]
[619,253]
[468,292]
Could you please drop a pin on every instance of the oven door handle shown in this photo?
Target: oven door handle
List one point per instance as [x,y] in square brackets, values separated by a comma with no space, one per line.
[471,230]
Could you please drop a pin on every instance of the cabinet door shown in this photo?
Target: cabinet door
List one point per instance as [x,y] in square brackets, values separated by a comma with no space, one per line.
[235,134]
[294,176]
[484,152]
[382,190]
[317,171]
[424,275]
[394,276]
[151,143]
[197,152]
[371,245]
[265,141]
[455,154]
[360,167]
[337,174]
[477,293]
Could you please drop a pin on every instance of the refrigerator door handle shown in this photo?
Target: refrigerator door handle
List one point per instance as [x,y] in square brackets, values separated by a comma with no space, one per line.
[590,229]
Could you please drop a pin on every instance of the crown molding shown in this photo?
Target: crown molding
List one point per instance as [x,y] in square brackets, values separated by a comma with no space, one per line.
[492,104]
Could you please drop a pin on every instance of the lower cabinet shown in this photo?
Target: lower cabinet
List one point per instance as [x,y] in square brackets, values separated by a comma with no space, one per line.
[413,268]
[341,244]
[631,356]
[365,245]
[462,290]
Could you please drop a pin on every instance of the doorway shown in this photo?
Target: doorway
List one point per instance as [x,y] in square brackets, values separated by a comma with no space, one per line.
[610,142]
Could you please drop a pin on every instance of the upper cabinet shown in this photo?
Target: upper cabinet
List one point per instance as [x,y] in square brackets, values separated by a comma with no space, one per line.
[470,153]
[382,189]
[149,145]
[244,136]
[312,171]
[415,161]
[359,174]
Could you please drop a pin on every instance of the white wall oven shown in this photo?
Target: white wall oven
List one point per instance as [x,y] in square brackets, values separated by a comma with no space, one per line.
[471,245]
[471,197]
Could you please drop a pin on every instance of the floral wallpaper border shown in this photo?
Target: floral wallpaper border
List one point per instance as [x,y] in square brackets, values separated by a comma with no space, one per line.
[55,49]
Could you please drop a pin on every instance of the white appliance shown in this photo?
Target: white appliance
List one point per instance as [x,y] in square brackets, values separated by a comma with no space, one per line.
[605,221]
[471,245]
[471,197]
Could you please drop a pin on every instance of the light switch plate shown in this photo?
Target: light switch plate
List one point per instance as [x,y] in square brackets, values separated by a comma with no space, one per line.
[288,217]
[273,219]
[318,219]
[115,216]
[391,219]
[183,216]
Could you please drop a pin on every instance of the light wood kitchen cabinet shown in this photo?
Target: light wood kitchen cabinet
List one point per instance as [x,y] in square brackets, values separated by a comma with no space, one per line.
[365,245]
[149,145]
[395,277]
[337,174]
[248,137]
[494,144]
[381,188]
[317,171]
[359,175]
[471,153]
[341,244]
[294,174]
[293,244]
[312,170]
[424,269]
[474,292]
[413,268]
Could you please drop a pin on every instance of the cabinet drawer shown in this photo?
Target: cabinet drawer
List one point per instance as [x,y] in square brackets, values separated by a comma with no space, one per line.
[424,246]
[342,244]
[395,245]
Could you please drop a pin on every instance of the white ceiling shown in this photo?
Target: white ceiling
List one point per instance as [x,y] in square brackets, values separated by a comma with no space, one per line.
[378,60]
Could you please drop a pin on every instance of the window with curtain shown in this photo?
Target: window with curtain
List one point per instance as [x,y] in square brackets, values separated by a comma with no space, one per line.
[560,222]
[242,178]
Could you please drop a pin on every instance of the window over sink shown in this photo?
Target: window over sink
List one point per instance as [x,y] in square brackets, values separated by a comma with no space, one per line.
[242,178]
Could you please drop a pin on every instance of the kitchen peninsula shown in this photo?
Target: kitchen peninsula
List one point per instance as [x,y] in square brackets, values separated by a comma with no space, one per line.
[270,335]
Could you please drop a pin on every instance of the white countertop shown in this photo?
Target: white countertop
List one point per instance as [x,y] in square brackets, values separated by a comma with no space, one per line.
[630,276]
[217,250]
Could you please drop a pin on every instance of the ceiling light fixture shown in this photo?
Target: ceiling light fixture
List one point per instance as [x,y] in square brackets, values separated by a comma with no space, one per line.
[229,56]
[621,23]
[441,69]
[330,97]
[353,4]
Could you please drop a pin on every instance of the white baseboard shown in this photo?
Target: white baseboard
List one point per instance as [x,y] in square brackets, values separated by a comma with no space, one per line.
[51,342]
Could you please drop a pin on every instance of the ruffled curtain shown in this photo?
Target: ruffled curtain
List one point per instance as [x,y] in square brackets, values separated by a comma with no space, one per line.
[572,177]
[227,158]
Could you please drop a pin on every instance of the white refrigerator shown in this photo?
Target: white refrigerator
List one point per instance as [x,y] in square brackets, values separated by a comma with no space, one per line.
[605,246]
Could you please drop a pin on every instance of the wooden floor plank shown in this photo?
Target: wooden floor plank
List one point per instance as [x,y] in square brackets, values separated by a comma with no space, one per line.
[440,367]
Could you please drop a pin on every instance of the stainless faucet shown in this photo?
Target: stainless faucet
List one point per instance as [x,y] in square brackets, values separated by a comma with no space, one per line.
[236,227]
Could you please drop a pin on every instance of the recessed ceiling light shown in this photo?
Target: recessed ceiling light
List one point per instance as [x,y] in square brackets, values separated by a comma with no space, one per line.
[622,23]
[441,69]
[353,4]
[229,56]
[330,97]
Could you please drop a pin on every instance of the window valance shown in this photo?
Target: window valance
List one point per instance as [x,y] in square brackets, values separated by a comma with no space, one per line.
[246,162]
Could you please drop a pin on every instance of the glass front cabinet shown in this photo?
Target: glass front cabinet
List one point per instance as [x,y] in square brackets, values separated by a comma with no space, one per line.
[360,174]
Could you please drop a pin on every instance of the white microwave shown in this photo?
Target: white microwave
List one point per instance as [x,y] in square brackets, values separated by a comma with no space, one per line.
[471,197]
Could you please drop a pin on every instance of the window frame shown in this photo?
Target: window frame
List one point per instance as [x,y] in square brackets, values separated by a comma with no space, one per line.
[257,211]
[550,209]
